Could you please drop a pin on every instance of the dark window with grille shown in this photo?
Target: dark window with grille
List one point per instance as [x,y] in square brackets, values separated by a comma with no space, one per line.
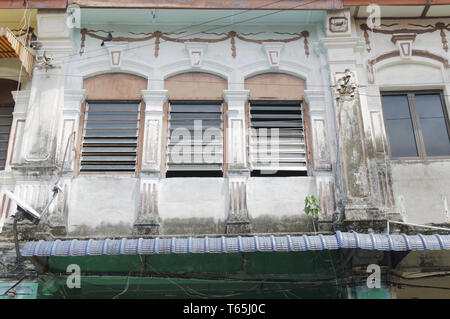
[417,124]
[195,139]
[5,128]
[277,138]
[110,136]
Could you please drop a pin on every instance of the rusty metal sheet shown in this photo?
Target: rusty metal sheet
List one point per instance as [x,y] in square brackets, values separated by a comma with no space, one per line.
[213,4]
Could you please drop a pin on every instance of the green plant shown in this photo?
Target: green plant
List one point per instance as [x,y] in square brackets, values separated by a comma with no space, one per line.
[312,206]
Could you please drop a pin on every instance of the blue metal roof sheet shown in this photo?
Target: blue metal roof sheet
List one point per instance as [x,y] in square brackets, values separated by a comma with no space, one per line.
[201,245]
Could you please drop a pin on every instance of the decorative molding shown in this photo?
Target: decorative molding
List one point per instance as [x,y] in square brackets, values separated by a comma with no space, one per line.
[73,99]
[231,35]
[22,99]
[342,43]
[236,100]
[316,101]
[238,220]
[351,143]
[57,220]
[36,194]
[377,132]
[321,153]
[236,144]
[16,145]
[149,199]
[345,85]
[385,185]
[396,53]
[404,43]
[273,53]
[236,133]
[148,221]
[151,148]
[115,51]
[196,52]
[439,26]
[154,101]
[238,199]
[67,141]
[154,112]
[338,24]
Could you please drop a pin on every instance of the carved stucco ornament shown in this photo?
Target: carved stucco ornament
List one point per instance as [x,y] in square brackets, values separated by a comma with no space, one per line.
[346,86]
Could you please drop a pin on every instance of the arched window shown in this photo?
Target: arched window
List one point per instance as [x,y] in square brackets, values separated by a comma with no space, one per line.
[195,126]
[279,137]
[111,122]
[6,109]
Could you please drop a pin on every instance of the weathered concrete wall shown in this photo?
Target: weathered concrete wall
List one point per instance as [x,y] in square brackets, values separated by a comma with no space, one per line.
[423,190]
[275,204]
[419,188]
[108,205]
[102,205]
[193,205]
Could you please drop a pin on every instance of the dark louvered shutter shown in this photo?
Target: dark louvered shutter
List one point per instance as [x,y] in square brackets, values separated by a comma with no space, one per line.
[190,150]
[277,140]
[110,138]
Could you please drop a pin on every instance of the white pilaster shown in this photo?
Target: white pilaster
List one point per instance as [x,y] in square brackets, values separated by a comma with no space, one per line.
[69,132]
[154,116]
[236,129]
[317,113]
[44,112]
[22,99]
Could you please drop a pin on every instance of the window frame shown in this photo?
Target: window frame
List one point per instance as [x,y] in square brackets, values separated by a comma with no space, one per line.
[165,141]
[306,135]
[415,120]
[139,144]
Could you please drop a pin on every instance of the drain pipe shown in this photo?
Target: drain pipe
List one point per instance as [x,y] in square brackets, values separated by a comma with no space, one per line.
[417,225]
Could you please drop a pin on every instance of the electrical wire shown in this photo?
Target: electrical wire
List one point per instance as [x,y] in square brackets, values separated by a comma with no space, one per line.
[421,277]
[126,288]
[191,34]
[198,24]
[399,284]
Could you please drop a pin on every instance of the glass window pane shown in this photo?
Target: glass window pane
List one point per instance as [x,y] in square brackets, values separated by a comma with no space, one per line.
[399,126]
[434,128]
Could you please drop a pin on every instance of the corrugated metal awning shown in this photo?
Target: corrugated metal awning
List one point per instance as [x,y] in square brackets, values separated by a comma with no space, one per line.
[11,47]
[140,246]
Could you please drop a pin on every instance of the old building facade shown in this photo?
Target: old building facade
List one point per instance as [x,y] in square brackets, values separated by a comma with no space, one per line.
[190,121]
